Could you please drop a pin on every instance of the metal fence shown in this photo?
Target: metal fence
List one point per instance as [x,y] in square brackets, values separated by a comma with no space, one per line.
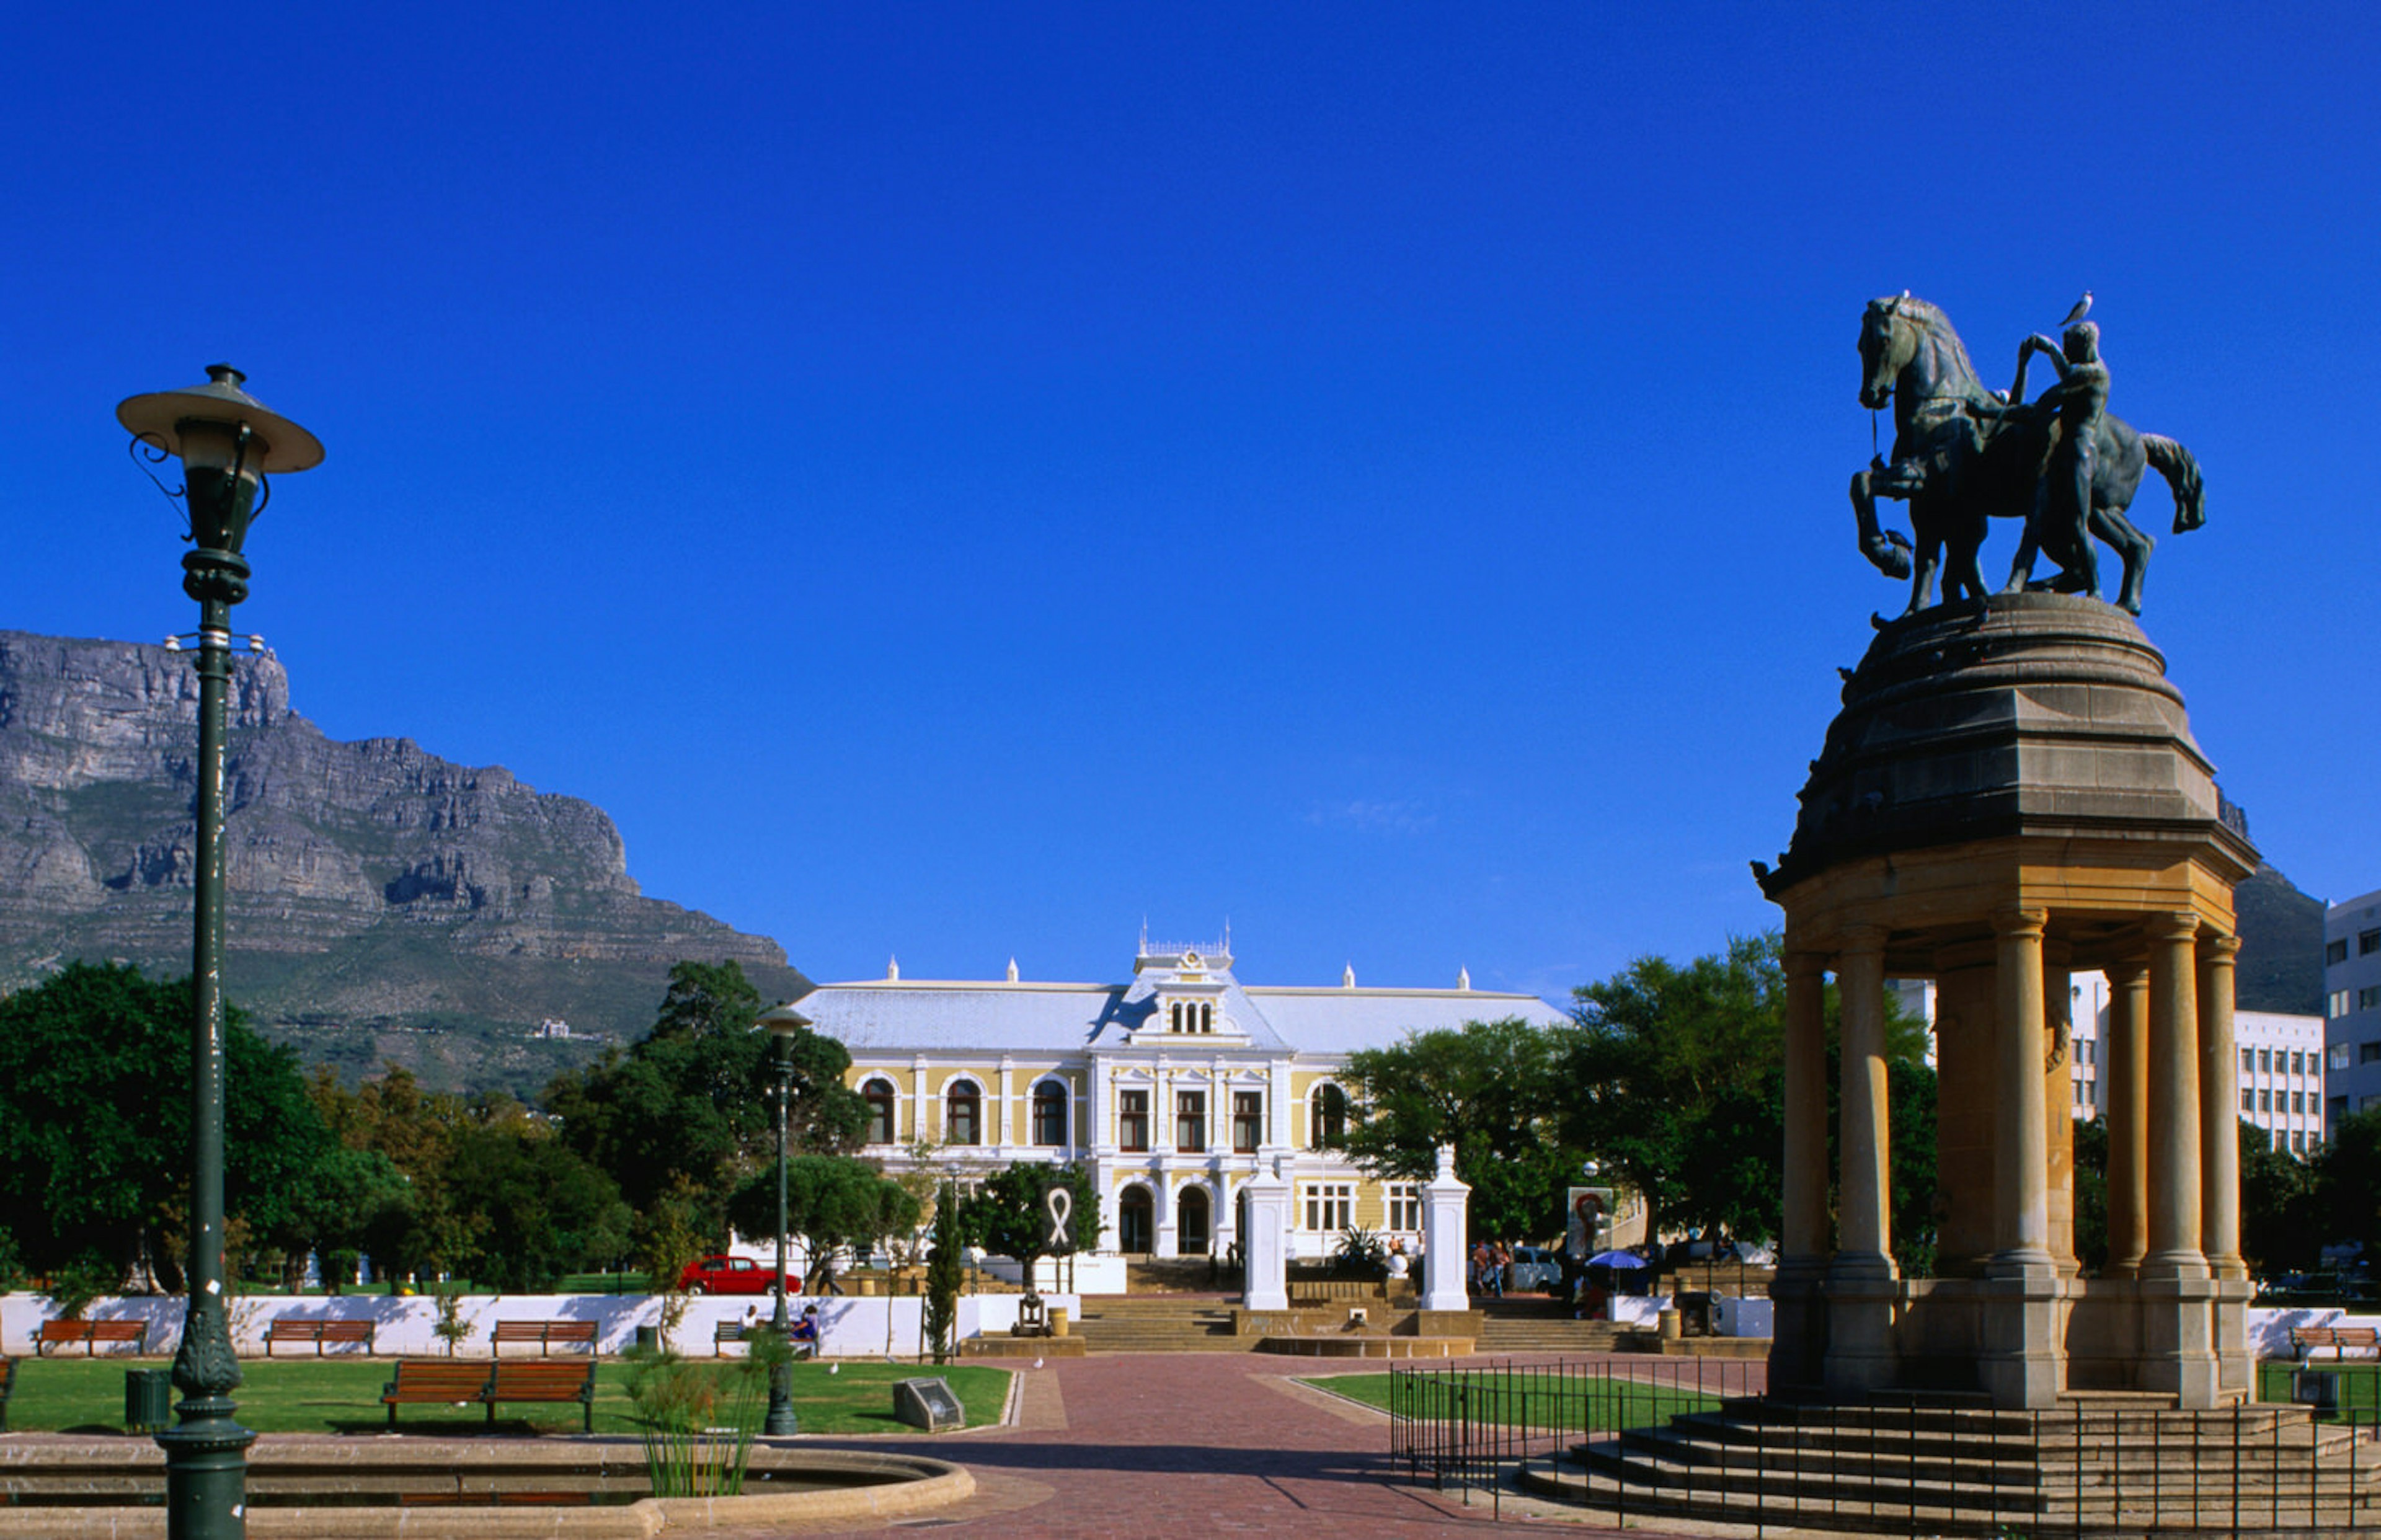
[1603,1433]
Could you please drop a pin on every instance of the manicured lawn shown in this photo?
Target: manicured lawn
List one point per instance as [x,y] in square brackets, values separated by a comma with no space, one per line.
[292,1396]
[2360,1385]
[1594,1405]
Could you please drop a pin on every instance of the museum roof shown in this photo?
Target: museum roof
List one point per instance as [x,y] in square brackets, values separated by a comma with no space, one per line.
[946,1016]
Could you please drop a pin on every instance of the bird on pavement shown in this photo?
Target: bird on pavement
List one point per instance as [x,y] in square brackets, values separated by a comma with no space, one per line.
[2083,308]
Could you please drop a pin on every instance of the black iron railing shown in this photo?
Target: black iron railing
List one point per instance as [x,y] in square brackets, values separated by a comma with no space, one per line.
[1701,1436]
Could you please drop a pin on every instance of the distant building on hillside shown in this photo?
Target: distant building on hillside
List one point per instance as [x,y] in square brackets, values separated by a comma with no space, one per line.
[1175,1088]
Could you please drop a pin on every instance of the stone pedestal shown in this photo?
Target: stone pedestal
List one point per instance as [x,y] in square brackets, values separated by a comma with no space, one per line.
[2011,792]
[1264,1250]
[1446,1228]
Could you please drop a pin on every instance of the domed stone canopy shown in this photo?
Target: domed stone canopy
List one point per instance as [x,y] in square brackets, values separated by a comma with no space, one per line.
[2037,713]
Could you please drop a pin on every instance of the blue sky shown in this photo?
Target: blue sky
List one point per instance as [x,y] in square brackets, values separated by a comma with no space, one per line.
[955,481]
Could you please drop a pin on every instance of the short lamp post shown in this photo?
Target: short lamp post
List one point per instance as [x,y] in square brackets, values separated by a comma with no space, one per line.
[228,441]
[782,1023]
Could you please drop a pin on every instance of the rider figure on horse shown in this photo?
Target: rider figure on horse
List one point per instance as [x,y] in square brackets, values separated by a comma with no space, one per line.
[2062,523]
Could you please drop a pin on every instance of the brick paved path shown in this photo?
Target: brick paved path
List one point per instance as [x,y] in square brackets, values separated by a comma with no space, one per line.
[1181,1446]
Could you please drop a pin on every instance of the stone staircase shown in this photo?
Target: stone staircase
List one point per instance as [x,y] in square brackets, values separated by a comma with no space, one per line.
[1953,1465]
[1158,1324]
[1524,1324]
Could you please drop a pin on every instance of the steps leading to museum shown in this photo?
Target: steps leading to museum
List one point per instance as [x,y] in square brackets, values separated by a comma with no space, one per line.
[1158,1324]
[1528,1325]
[1954,1466]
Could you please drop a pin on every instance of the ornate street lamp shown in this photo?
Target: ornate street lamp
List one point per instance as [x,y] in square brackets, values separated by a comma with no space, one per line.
[228,441]
[782,1023]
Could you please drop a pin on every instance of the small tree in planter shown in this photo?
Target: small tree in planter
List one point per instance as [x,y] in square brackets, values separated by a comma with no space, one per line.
[451,1327]
[668,1243]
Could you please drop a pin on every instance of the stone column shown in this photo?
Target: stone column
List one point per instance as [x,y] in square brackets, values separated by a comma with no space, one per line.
[1264,1250]
[2219,1122]
[1805,1239]
[1864,1185]
[2174,1178]
[1445,1237]
[2058,1106]
[2178,1294]
[2129,1102]
[2021,1208]
[1799,1332]
[2020,1362]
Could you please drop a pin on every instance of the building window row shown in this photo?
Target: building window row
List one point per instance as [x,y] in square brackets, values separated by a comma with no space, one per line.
[1190,1015]
[1405,1207]
[963,1113]
[1330,1205]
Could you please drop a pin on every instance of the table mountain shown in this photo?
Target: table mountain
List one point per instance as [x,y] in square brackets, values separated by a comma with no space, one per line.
[384,903]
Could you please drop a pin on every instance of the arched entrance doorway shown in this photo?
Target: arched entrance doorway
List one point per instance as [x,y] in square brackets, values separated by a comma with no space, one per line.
[1191,1212]
[1136,1222]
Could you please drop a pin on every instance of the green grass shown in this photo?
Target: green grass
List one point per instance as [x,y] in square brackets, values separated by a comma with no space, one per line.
[58,1395]
[1594,1405]
[2360,1384]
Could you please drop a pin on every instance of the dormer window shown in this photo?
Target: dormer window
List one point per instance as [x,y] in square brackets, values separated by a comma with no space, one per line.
[1190,1015]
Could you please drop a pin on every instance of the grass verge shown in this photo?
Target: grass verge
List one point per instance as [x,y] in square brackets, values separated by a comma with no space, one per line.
[1595,1405]
[56,1394]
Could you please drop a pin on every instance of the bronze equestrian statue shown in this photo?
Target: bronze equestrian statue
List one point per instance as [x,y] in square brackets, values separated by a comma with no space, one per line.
[1964,455]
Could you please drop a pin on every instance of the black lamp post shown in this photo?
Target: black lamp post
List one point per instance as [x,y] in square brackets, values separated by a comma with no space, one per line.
[782,1023]
[226,442]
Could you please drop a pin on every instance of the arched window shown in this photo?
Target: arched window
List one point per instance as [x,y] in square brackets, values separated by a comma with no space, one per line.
[878,1095]
[1330,1126]
[963,1113]
[1049,1113]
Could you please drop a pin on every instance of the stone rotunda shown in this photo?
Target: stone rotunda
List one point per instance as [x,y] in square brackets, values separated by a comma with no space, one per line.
[2012,792]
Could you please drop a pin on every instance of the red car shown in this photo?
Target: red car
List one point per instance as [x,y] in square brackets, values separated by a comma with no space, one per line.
[730,1274]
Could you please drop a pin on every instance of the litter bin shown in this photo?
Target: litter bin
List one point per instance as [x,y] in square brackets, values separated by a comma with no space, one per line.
[148,1399]
[1695,1312]
[2317,1389]
[649,1339]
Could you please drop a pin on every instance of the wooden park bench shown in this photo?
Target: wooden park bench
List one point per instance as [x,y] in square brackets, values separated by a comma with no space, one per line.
[577,1336]
[2304,1340]
[321,1332]
[7,1388]
[436,1382]
[528,1380]
[90,1334]
[740,1331]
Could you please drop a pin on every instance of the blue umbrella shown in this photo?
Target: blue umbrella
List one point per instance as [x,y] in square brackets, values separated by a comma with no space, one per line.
[1617,1259]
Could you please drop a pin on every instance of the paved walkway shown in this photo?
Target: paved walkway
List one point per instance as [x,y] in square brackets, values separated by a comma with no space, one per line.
[1185,1445]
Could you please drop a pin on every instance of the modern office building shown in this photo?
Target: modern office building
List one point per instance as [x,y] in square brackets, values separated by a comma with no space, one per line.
[2351,984]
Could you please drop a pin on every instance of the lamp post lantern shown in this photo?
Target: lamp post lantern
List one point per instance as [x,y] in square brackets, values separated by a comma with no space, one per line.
[782,1023]
[228,441]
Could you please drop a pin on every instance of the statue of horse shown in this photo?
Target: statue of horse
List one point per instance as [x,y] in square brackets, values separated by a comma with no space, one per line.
[1963,455]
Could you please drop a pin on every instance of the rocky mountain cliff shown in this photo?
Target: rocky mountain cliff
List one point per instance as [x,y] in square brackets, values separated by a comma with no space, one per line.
[384,903]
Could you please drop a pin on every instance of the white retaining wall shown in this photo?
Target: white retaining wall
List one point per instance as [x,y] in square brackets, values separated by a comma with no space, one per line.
[848,1327]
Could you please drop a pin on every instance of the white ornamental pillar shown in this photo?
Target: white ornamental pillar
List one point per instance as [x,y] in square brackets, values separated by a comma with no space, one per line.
[1264,1250]
[1445,1237]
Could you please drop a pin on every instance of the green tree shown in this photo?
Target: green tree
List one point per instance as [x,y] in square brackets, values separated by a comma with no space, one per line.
[686,1109]
[945,1270]
[2281,1217]
[1676,1082]
[830,1200]
[95,1122]
[1491,1090]
[537,1210]
[1008,1215]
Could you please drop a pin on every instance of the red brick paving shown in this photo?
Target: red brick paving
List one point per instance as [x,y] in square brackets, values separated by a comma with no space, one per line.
[1185,1445]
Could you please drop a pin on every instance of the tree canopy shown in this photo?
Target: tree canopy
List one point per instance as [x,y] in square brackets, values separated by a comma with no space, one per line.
[685,1111]
[1491,1089]
[95,1122]
[1008,1214]
[1676,1082]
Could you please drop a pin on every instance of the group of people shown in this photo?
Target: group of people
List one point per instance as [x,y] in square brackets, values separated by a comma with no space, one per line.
[1489,1260]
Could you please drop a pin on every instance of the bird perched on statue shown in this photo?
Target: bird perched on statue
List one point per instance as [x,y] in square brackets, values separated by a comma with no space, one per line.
[2083,308]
